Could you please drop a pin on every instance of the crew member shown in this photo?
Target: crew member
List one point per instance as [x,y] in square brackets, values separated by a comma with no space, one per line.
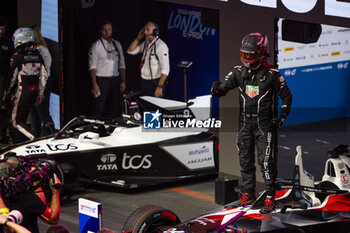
[107,72]
[258,84]
[155,59]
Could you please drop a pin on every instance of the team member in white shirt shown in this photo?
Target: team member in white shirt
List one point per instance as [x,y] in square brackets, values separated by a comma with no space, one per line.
[107,72]
[155,59]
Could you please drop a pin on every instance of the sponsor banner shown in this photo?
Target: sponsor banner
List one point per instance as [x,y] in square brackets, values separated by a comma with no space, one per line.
[90,216]
[319,92]
[317,75]
[332,46]
[194,155]
[331,7]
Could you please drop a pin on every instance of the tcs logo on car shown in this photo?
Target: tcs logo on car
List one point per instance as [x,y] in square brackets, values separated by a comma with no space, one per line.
[128,162]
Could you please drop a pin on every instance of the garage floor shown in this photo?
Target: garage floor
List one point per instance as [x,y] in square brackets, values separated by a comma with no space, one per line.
[192,198]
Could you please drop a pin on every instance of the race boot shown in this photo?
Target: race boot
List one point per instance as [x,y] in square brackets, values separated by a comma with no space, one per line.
[269,205]
[245,199]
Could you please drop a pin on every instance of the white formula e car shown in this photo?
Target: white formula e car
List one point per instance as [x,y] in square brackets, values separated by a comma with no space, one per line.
[302,205]
[123,153]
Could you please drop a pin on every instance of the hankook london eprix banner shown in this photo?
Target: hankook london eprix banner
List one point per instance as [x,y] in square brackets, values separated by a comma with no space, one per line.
[318,75]
[189,40]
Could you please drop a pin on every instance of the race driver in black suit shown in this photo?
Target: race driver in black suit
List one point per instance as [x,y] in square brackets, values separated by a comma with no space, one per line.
[258,84]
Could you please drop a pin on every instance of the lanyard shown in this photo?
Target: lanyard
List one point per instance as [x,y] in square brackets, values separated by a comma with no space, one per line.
[115,49]
[149,47]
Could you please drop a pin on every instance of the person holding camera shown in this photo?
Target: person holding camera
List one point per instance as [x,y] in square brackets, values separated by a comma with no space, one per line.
[32,204]
[155,59]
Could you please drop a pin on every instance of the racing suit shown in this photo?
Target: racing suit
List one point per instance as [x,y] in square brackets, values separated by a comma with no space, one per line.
[27,80]
[258,92]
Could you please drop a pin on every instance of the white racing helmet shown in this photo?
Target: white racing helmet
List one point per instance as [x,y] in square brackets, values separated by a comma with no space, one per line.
[22,36]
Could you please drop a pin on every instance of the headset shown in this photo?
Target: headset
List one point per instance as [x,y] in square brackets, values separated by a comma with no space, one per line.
[155,32]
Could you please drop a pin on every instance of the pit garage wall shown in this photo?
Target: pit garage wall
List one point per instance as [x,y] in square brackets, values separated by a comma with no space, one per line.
[236,20]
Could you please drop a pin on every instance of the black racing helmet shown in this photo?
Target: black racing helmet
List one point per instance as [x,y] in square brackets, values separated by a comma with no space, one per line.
[254,49]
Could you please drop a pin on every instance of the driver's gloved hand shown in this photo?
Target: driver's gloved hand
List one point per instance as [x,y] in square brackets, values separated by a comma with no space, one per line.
[215,90]
[276,123]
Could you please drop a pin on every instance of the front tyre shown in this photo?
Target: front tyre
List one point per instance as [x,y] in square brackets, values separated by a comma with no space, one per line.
[150,219]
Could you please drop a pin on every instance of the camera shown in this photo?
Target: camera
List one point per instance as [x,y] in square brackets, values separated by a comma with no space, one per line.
[19,174]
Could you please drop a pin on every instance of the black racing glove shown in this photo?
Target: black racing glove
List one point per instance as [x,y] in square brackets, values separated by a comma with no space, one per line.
[215,90]
[276,123]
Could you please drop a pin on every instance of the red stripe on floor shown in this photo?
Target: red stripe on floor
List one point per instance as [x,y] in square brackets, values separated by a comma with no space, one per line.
[194,194]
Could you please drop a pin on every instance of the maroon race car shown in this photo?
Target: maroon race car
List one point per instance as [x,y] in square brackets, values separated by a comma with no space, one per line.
[302,205]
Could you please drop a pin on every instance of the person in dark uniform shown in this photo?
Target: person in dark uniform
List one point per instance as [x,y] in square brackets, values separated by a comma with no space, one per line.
[6,51]
[258,84]
[27,83]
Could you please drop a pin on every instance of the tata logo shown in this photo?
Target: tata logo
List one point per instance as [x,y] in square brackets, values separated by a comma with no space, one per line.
[133,162]
[331,7]
[108,158]
[108,165]
[34,149]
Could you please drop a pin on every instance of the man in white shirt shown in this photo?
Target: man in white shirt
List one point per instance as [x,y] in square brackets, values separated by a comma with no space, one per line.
[155,59]
[107,72]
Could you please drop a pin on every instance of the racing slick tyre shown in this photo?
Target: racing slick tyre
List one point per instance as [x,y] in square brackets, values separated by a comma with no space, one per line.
[149,219]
